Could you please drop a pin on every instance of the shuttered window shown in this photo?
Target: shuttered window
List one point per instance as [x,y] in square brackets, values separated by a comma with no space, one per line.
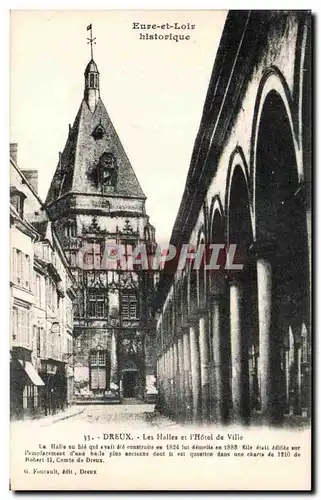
[98,370]
[128,305]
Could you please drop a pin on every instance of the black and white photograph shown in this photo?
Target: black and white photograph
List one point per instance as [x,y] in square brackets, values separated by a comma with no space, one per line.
[160,250]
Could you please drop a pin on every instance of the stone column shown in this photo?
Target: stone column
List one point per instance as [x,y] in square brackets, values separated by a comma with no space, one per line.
[175,381]
[114,360]
[162,381]
[236,327]
[187,370]
[204,366]
[217,395]
[196,372]
[170,381]
[159,382]
[167,394]
[271,404]
[165,386]
[287,379]
[180,378]
[297,363]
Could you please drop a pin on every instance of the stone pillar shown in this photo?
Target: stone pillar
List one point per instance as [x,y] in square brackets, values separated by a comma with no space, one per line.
[196,373]
[180,377]
[169,379]
[159,382]
[297,363]
[166,379]
[114,362]
[187,375]
[236,300]
[175,381]
[271,404]
[162,382]
[287,379]
[204,367]
[217,392]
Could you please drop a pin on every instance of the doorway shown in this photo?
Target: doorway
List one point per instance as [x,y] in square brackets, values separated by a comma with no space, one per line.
[129,384]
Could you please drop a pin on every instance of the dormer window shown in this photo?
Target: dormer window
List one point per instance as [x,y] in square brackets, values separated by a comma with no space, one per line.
[99,132]
[17,198]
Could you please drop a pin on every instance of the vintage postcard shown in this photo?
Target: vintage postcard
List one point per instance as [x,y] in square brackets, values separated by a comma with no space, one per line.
[160,250]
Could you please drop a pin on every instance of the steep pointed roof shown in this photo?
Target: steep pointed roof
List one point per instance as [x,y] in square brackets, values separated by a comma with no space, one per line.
[91,135]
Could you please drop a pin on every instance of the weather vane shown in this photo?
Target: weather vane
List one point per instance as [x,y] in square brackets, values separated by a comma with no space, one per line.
[91,40]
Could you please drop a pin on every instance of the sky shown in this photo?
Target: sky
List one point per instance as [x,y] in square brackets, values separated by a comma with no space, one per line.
[154,91]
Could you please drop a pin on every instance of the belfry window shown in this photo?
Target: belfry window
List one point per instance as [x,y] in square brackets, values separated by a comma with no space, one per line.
[93,80]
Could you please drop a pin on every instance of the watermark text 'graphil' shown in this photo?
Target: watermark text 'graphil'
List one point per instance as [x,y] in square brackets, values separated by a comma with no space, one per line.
[147,257]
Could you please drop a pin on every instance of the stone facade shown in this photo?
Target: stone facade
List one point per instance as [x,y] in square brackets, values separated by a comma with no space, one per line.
[236,345]
[42,293]
[96,202]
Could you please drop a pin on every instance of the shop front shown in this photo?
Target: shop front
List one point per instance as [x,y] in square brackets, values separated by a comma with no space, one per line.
[54,396]
[25,385]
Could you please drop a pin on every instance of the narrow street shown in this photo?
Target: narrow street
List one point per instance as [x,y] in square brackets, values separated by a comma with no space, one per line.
[132,414]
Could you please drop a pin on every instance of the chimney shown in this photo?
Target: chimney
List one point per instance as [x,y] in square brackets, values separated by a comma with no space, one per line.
[14,151]
[32,178]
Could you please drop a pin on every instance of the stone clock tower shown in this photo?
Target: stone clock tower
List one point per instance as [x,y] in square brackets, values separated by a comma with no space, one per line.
[95,198]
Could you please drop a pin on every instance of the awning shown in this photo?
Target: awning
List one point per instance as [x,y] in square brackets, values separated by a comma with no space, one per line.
[31,372]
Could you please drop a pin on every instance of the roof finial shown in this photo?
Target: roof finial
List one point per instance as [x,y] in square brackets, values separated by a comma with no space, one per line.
[91,40]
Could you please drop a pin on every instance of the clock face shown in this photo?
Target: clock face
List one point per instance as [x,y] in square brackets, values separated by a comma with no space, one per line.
[107,167]
[107,160]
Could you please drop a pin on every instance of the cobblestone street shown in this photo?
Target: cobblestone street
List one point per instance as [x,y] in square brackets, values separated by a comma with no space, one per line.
[131,414]
[142,415]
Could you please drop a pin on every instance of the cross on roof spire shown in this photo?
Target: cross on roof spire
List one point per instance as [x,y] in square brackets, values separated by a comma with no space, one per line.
[91,40]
